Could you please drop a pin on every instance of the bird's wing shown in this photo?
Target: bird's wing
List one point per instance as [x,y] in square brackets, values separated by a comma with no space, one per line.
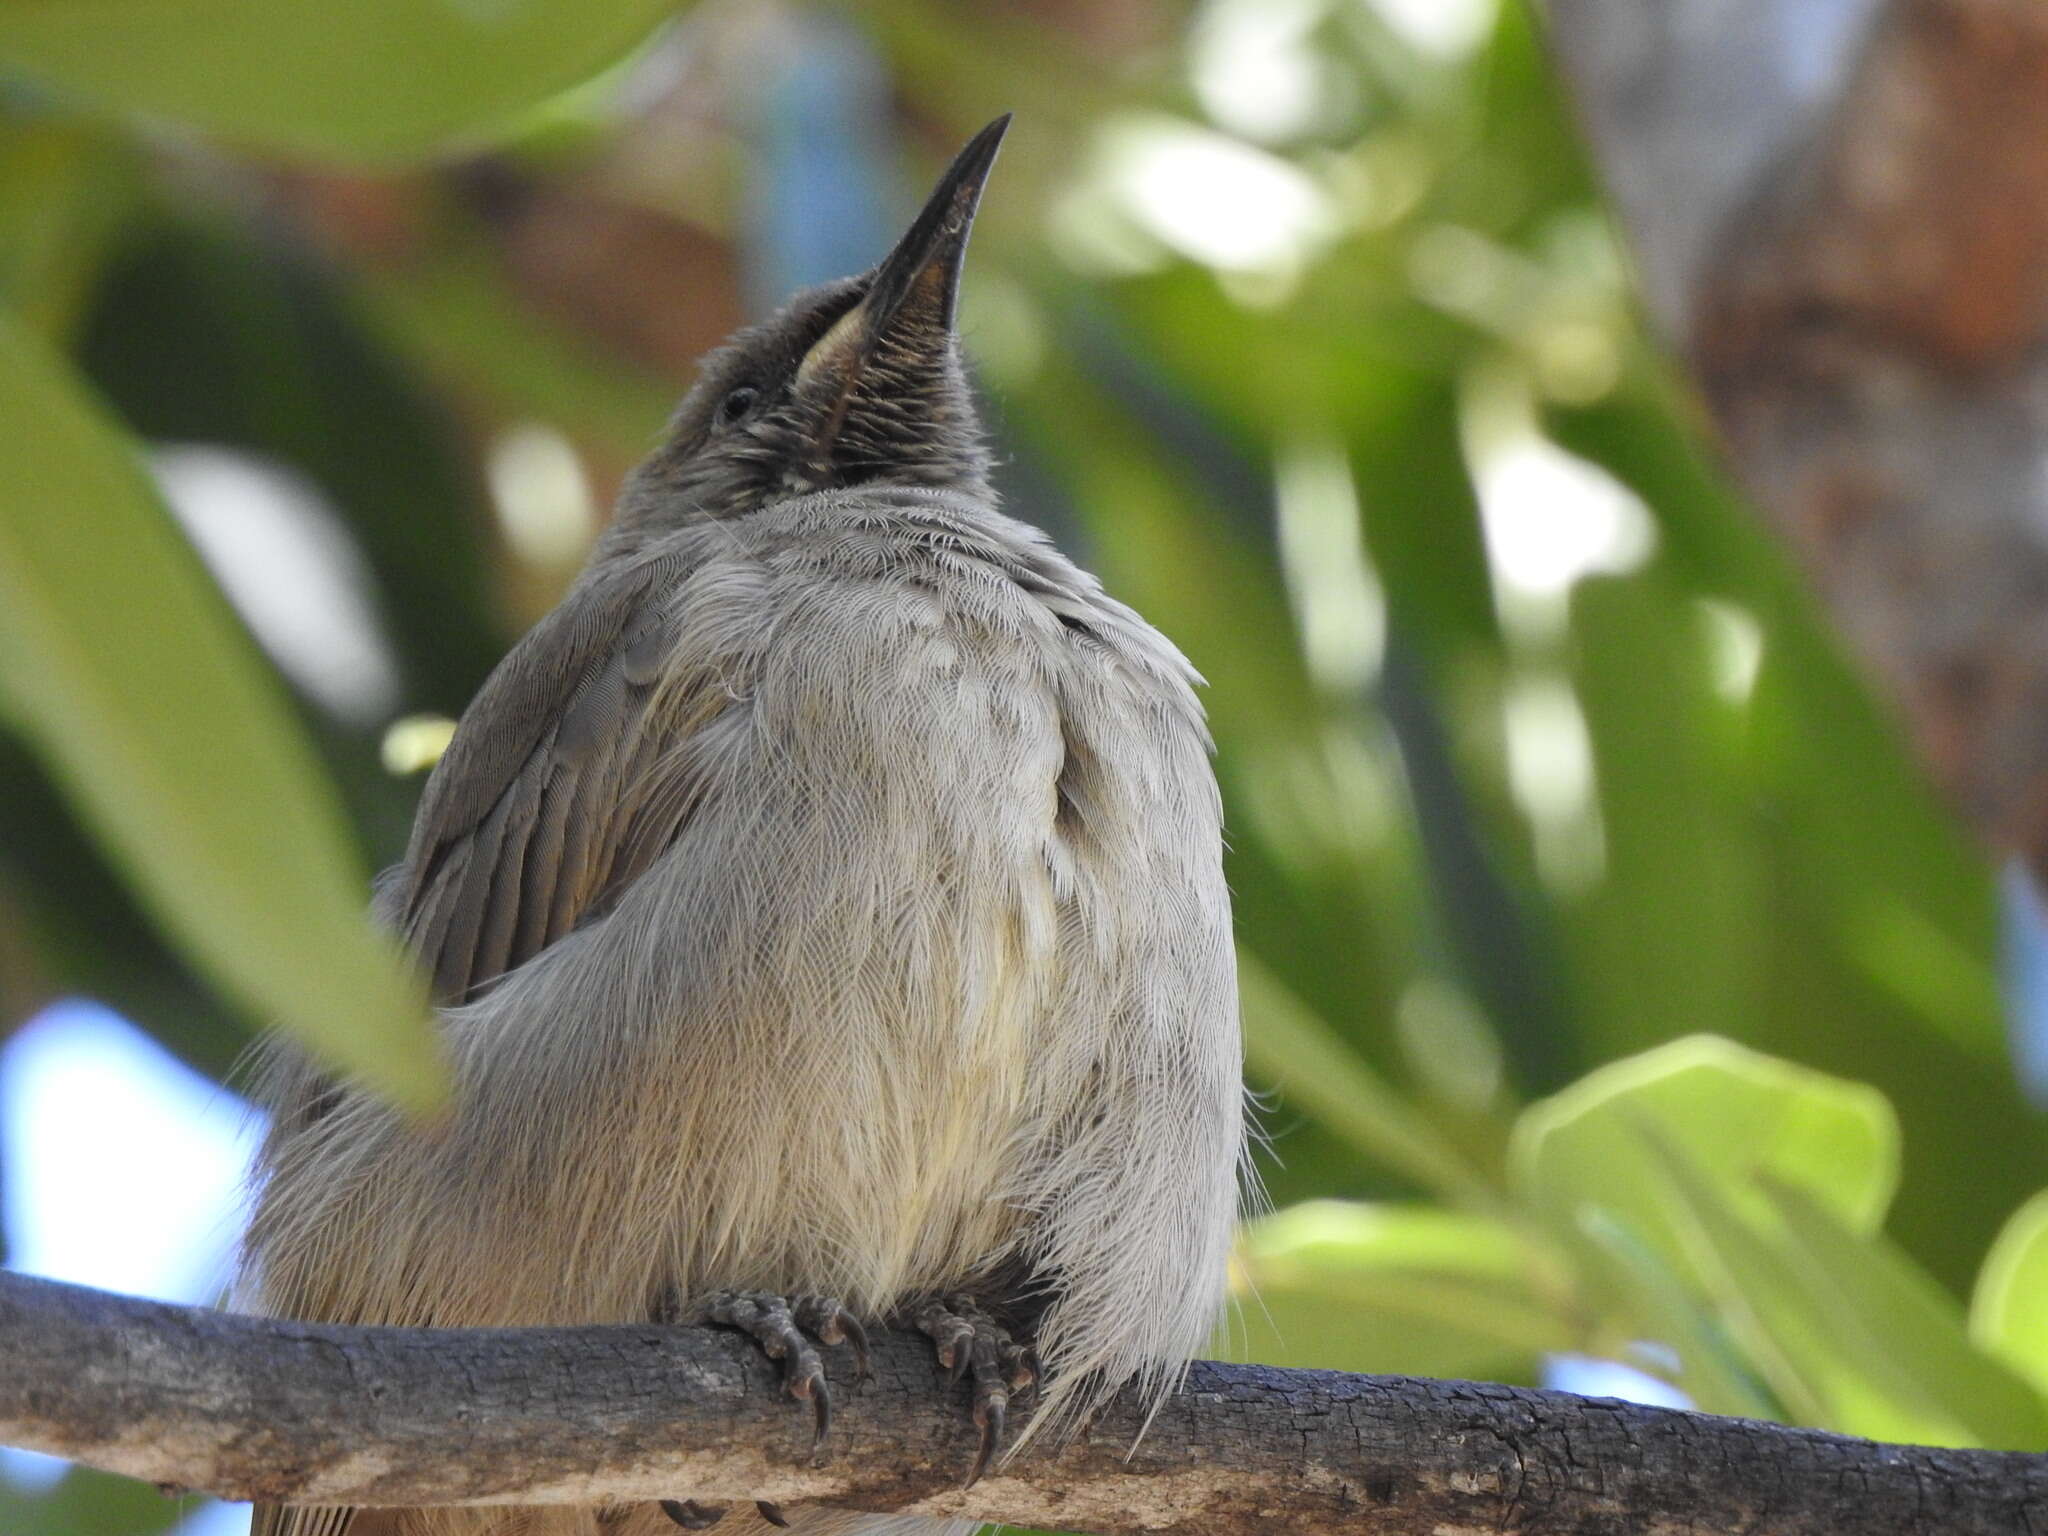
[560,787]
[567,777]
[297,1520]
[290,1520]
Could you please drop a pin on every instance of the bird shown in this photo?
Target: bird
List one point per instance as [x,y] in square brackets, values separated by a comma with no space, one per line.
[825,915]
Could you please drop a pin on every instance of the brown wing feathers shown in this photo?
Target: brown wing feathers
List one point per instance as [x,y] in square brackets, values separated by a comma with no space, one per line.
[497,877]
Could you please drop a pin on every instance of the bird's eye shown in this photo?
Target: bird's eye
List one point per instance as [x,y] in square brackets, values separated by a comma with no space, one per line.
[737,404]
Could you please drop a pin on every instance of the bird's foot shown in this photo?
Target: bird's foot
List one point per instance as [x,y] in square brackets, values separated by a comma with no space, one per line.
[974,1345]
[703,1516]
[783,1326]
[692,1516]
[779,1324]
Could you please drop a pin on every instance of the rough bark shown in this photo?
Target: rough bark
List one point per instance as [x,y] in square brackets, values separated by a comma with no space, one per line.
[1843,220]
[249,1408]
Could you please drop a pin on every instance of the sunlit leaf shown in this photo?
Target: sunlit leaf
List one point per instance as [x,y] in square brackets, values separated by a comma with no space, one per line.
[1712,1369]
[1903,1320]
[1395,1288]
[1730,1110]
[370,80]
[175,743]
[2009,1312]
[1821,1362]
[1845,1331]
[1753,1291]
[1849,1335]
[1666,1148]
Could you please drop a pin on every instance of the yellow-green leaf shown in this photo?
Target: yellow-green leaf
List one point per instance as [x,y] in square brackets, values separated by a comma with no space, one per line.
[1404,1288]
[361,80]
[1818,1357]
[2009,1312]
[1321,1073]
[128,672]
[1734,1113]
[1896,1317]
[1712,1369]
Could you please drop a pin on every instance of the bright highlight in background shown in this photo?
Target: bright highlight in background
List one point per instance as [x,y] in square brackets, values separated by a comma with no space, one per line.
[1590,1377]
[122,1169]
[120,1164]
[289,564]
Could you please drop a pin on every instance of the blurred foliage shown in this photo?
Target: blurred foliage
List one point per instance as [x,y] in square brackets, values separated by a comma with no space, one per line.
[127,669]
[1618,985]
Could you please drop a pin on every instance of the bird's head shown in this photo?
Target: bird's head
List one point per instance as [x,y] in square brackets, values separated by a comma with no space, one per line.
[851,383]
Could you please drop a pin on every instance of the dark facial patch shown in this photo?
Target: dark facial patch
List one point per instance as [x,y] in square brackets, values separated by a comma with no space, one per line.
[753,431]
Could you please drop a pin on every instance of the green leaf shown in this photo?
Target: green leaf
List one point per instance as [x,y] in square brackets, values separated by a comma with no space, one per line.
[1758,1186]
[2009,1312]
[1901,1319]
[1731,1111]
[1671,940]
[173,741]
[368,80]
[1876,911]
[1421,515]
[1844,793]
[64,193]
[1819,1339]
[1321,1073]
[86,1502]
[1712,1368]
[1756,1295]
[1412,1289]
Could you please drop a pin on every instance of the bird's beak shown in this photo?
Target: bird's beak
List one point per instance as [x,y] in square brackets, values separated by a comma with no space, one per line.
[920,279]
[913,291]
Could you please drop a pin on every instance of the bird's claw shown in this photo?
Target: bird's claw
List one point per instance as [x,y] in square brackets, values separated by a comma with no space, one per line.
[989,1415]
[780,1325]
[972,1344]
[831,1323]
[691,1515]
[814,1388]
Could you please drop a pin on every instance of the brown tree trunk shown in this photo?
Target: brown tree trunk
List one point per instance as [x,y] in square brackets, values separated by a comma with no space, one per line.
[1842,217]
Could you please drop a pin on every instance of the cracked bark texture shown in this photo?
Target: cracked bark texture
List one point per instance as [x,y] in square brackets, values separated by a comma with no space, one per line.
[253,1408]
[1841,214]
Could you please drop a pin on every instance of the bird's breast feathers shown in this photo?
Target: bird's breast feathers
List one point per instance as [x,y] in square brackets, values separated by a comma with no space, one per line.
[891,923]
[961,845]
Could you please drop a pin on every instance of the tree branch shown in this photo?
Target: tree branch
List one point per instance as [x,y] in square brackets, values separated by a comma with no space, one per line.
[295,1412]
